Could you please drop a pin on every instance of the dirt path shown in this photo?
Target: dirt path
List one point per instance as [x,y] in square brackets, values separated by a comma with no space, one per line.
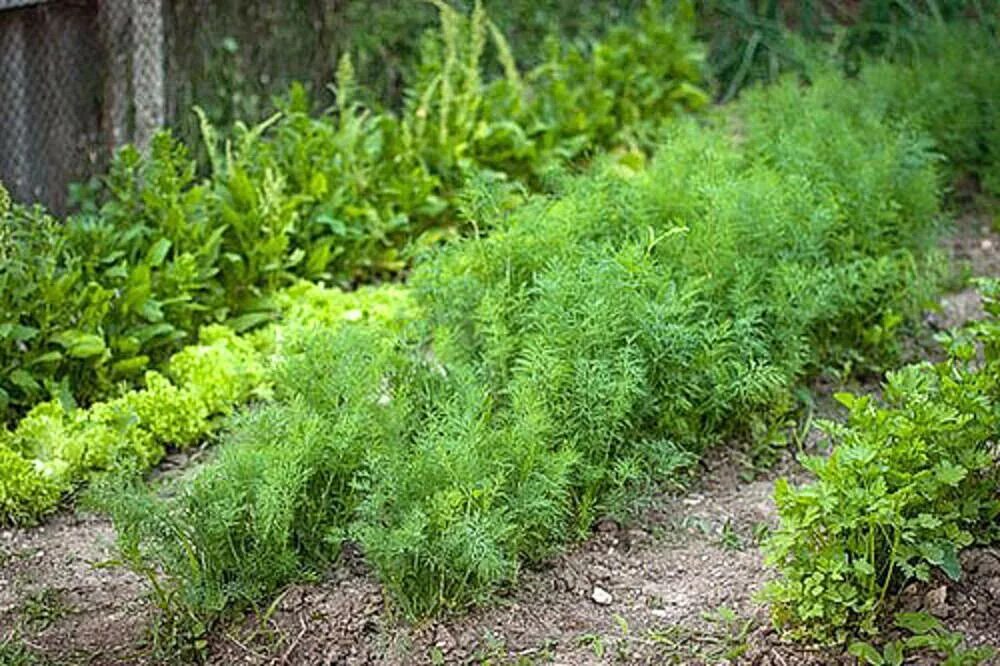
[677,586]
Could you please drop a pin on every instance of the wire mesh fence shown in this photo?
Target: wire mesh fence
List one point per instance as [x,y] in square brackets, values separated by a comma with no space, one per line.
[77,78]
[50,128]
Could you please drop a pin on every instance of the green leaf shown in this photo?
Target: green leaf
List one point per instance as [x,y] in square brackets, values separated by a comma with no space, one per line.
[318,185]
[146,333]
[866,652]
[48,357]
[949,473]
[17,332]
[151,311]
[949,562]
[846,399]
[130,366]
[79,344]
[158,252]
[250,320]
[917,623]
[24,380]
[893,653]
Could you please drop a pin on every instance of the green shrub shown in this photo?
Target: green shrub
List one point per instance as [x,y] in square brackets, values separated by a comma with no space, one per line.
[950,90]
[101,299]
[911,481]
[760,41]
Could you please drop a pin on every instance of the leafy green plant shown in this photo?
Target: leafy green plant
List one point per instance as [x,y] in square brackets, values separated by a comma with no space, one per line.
[927,634]
[156,252]
[13,652]
[102,298]
[56,447]
[912,480]
[43,607]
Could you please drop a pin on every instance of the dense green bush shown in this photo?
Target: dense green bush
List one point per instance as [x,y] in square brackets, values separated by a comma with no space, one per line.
[156,252]
[100,299]
[753,41]
[57,447]
[949,94]
[584,349]
[364,183]
[912,479]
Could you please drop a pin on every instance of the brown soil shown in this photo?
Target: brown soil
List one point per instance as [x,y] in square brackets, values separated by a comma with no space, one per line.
[56,595]
[677,585]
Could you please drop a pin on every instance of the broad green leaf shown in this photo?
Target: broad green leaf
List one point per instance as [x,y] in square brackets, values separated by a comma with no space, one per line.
[79,344]
[949,473]
[17,332]
[917,623]
[866,652]
[949,562]
[893,653]
[158,252]
[250,320]
[846,399]
[24,380]
[47,357]
[130,366]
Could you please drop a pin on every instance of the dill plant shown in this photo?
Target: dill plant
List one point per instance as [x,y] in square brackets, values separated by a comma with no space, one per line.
[584,348]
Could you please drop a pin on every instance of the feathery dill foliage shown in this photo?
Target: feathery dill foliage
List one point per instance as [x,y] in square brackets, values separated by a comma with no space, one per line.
[584,350]
[950,90]
[279,493]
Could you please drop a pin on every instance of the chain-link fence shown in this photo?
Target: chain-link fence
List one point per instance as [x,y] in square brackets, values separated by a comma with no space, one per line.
[50,119]
[77,78]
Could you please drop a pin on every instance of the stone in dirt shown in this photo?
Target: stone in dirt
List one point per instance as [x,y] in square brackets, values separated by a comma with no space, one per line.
[936,602]
[601,597]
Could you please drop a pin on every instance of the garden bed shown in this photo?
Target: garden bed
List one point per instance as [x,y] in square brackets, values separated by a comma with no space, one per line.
[559,439]
[669,573]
